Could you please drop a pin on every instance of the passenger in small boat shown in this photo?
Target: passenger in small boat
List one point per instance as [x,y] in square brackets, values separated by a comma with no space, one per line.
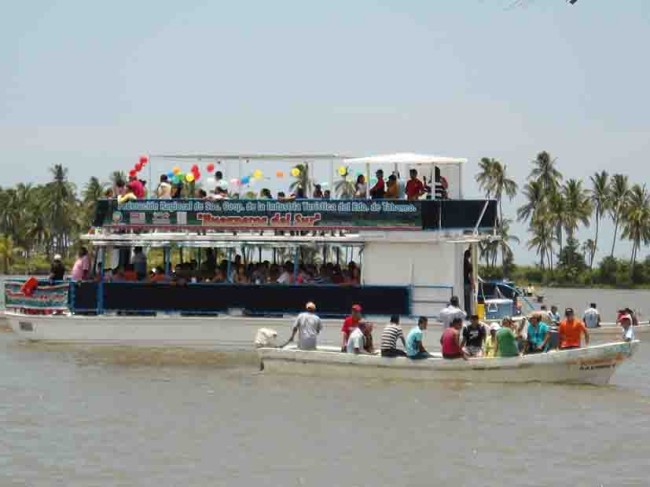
[506,339]
[57,269]
[308,325]
[491,341]
[361,188]
[414,347]
[538,335]
[81,267]
[591,316]
[451,312]
[473,337]
[357,340]
[554,316]
[139,261]
[572,330]
[450,340]
[392,332]
[628,330]
[350,323]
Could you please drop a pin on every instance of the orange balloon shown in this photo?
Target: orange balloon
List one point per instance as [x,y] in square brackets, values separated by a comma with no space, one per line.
[279,174]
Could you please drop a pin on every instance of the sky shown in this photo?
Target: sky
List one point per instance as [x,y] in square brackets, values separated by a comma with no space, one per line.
[93,85]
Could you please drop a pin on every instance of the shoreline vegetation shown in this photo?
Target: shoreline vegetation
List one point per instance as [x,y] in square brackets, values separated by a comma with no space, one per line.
[554,210]
[38,221]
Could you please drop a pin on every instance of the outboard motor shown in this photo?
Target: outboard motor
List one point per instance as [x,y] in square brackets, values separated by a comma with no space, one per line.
[265,337]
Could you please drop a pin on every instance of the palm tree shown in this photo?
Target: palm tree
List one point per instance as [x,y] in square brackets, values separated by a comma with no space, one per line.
[118,176]
[556,214]
[344,187]
[6,252]
[620,192]
[61,201]
[485,176]
[636,220]
[601,200]
[545,172]
[577,206]
[302,180]
[535,198]
[589,249]
[542,241]
[505,239]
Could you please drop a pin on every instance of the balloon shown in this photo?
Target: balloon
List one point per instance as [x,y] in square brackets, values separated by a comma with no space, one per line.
[197,175]
[343,170]
[189,177]
[176,170]
[257,174]
[210,167]
[132,173]
[234,182]
[223,184]
[295,172]
[138,167]
[279,174]
[245,180]
[144,160]
[194,168]
[211,182]
[170,175]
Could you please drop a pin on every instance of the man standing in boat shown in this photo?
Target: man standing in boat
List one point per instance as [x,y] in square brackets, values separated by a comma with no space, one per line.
[571,331]
[451,312]
[591,316]
[308,325]
[350,323]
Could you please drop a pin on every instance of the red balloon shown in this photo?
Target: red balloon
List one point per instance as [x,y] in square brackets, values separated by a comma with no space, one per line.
[132,173]
[210,167]
[197,175]
[195,168]
[138,167]
[144,160]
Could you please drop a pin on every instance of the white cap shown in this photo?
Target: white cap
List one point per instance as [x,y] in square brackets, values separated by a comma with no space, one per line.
[57,257]
[495,327]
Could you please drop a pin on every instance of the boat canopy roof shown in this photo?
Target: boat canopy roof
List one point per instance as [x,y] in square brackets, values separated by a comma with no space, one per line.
[252,157]
[406,158]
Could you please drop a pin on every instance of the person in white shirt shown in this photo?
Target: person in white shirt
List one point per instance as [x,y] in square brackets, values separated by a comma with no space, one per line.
[287,276]
[451,311]
[628,329]
[164,190]
[357,340]
[591,316]
[308,326]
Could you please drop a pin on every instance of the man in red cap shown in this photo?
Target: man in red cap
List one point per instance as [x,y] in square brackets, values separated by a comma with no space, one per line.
[349,324]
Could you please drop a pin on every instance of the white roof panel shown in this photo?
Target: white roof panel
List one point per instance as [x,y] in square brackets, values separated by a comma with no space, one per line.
[406,158]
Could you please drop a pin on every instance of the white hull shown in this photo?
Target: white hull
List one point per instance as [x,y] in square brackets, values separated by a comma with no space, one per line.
[593,365]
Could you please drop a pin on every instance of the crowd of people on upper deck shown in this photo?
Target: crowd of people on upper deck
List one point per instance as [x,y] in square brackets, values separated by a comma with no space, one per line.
[392,187]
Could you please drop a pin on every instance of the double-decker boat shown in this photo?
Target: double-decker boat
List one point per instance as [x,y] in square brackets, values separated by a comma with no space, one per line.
[408,256]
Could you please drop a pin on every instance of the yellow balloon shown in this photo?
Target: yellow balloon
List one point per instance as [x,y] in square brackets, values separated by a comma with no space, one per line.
[176,170]
[295,172]
[343,170]
[189,177]
[257,174]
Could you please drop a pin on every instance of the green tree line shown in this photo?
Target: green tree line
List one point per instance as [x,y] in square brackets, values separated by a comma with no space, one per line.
[555,209]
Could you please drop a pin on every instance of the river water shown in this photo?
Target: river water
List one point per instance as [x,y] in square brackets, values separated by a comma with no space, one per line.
[72,416]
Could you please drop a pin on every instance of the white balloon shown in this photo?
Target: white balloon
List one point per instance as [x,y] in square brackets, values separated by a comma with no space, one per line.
[211,182]
[223,184]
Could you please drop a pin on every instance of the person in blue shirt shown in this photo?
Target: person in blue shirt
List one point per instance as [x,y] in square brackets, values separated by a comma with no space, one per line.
[414,347]
[539,335]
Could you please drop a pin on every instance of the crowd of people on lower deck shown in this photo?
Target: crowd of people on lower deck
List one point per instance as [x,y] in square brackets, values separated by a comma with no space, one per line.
[541,332]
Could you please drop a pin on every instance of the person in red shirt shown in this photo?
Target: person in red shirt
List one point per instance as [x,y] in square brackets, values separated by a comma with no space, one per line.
[137,187]
[414,187]
[349,324]
[571,331]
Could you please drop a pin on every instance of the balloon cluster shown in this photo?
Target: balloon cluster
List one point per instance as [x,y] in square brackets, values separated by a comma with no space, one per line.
[139,166]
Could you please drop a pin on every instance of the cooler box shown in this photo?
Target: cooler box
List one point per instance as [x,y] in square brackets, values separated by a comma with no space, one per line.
[497,309]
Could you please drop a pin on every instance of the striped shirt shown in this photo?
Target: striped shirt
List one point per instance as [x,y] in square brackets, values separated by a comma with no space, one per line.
[390,335]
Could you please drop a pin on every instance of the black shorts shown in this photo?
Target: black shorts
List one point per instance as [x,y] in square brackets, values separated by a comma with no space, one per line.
[393,352]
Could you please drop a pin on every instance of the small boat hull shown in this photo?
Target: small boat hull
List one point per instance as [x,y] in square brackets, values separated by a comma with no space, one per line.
[593,365]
